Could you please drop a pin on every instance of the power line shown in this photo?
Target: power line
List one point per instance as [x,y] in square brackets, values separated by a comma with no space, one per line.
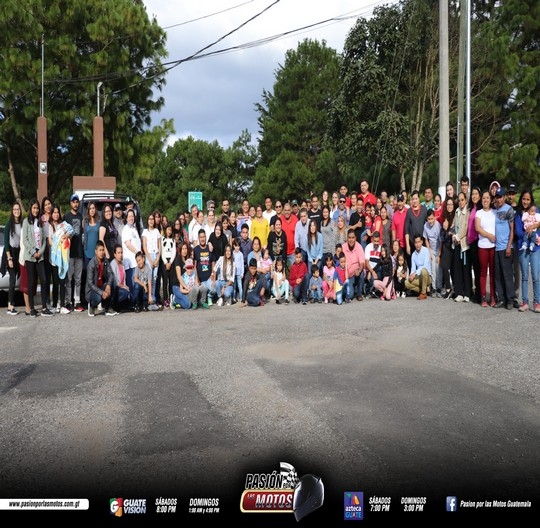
[199,54]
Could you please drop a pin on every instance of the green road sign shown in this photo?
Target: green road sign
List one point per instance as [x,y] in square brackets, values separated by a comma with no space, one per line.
[195,197]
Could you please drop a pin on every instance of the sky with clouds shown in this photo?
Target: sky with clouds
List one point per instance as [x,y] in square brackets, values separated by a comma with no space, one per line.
[234,48]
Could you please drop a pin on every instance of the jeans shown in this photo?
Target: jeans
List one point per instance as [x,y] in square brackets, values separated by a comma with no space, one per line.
[253,298]
[238,287]
[74,275]
[356,285]
[95,299]
[210,290]
[504,276]
[184,299]
[122,297]
[436,270]
[228,290]
[155,276]
[139,295]
[300,290]
[341,295]
[530,260]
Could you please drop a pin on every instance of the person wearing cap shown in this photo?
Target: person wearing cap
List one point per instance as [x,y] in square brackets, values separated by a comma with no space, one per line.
[295,208]
[119,217]
[187,293]
[504,235]
[493,186]
[253,294]
[344,190]
[511,194]
[76,256]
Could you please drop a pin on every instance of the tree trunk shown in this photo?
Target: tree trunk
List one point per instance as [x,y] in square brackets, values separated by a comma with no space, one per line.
[14,186]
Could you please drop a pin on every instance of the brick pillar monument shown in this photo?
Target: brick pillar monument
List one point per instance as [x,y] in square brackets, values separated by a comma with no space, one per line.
[97,182]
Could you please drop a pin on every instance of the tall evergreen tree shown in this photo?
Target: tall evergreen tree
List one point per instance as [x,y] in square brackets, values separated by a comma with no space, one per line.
[294,159]
[83,43]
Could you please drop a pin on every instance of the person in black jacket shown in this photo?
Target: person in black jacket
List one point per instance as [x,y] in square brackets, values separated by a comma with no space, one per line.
[99,283]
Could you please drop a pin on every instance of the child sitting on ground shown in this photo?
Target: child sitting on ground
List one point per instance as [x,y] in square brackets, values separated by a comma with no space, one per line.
[280,285]
[337,252]
[253,287]
[142,285]
[328,279]
[400,276]
[315,285]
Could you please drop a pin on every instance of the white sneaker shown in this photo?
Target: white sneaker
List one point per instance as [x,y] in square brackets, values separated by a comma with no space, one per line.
[459,298]
[64,310]
[466,299]
[403,294]
[219,302]
[229,302]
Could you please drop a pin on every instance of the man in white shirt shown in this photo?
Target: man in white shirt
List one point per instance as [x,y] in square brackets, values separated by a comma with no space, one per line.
[373,255]
[419,279]
[268,212]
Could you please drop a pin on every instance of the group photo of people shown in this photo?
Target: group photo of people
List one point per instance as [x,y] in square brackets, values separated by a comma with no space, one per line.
[471,245]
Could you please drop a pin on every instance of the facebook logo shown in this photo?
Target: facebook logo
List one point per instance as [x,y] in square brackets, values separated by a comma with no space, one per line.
[451,504]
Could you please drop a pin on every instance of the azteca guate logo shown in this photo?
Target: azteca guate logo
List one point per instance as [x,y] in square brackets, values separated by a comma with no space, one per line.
[282,492]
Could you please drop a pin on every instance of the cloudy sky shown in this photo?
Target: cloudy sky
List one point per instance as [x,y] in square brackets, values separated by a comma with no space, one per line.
[212,97]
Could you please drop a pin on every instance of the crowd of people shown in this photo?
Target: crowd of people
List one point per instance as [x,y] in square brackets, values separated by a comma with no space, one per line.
[471,245]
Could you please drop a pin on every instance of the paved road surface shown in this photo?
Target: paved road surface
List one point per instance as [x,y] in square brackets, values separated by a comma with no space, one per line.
[400,399]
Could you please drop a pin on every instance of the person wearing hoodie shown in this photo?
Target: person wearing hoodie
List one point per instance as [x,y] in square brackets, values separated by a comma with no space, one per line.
[493,186]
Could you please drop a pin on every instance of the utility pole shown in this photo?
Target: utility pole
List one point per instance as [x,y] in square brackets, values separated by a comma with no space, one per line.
[444,104]
[42,135]
[461,89]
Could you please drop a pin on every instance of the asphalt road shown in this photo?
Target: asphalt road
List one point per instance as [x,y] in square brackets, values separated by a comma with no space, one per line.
[395,399]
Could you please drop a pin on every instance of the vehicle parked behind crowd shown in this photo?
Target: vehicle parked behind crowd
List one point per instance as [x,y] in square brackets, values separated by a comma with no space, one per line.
[100,198]
[4,279]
